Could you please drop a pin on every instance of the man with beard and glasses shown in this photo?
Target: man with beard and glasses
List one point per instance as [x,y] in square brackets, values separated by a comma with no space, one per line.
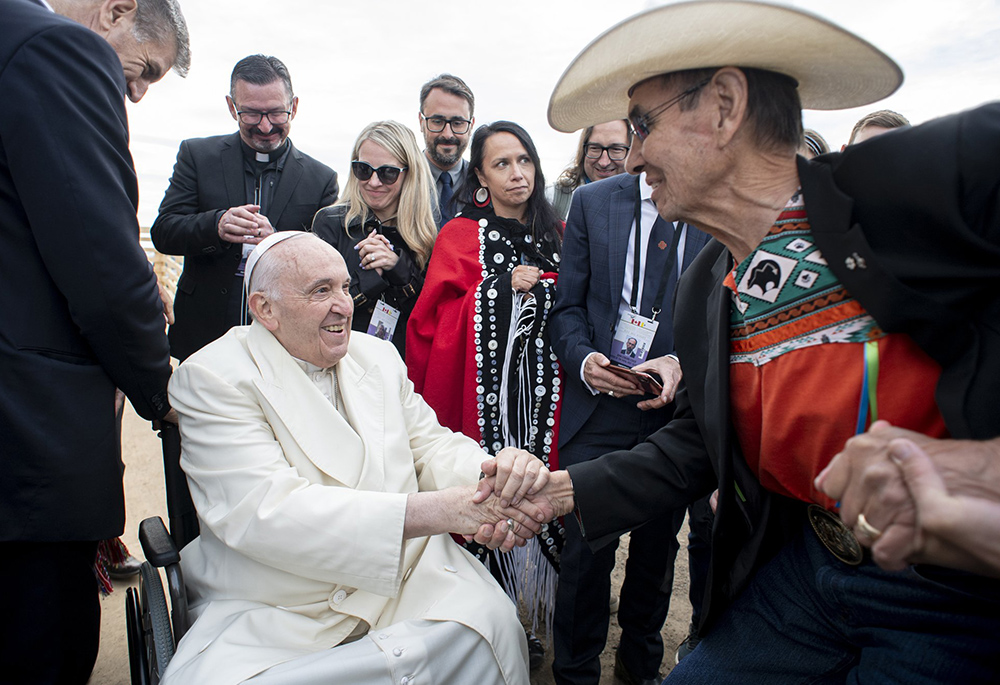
[447,106]
[228,193]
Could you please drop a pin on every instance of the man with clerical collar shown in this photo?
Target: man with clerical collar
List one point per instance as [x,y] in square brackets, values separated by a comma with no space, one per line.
[325,490]
[846,301]
[228,193]
[447,108]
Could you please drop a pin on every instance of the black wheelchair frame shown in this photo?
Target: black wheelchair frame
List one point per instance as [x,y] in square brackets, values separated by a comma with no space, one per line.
[153,631]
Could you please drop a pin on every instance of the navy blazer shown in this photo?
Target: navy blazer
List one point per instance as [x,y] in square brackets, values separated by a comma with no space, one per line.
[208,179]
[591,277]
[79,310]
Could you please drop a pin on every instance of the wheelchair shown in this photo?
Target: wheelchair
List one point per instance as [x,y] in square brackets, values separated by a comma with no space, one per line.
[152,630]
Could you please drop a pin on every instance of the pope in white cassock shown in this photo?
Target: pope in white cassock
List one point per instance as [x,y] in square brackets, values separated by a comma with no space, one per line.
[325,489]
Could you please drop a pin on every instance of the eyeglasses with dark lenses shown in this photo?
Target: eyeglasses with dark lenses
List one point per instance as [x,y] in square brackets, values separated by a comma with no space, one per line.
[641,123]
[616,153]
[437,124]
[386,174]
[254,118]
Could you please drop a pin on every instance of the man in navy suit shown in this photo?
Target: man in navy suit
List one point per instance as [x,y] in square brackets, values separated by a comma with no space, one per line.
[79,311]
[228,193]
[600,282]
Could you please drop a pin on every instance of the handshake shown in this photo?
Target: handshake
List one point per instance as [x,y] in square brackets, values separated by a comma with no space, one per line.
[516,495]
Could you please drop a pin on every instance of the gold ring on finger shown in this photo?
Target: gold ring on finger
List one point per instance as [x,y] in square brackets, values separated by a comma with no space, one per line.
[868,529]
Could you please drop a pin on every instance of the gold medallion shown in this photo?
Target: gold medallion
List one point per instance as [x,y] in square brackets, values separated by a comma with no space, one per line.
[834,535]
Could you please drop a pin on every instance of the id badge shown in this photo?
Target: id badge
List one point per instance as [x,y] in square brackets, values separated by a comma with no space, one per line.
[633,338]
[384,320]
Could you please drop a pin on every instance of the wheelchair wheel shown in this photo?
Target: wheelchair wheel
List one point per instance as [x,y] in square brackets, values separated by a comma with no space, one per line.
[159,640]
[137,663]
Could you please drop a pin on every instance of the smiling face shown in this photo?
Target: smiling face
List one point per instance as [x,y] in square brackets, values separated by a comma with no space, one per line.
[678,156]
[311,315]
[508,173]
[381,198]
[271,97]
[606,135]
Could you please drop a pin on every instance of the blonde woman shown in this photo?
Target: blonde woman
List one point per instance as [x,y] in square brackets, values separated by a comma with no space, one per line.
[384,228]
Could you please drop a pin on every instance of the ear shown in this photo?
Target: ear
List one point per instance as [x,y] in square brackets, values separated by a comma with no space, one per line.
[295,107]
[729,91]
[263,311]
[479,175]
[232,106]
[114,12]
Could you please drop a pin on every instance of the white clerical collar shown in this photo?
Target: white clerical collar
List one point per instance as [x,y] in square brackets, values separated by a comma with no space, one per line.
[47,5]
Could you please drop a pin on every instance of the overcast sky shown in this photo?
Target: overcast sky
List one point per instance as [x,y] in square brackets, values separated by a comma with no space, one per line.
[356,62]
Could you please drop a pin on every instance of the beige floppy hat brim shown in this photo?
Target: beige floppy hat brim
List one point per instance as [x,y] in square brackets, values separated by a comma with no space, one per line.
[835,69]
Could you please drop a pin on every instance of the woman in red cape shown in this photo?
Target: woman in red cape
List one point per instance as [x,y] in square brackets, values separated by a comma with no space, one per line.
[477,343]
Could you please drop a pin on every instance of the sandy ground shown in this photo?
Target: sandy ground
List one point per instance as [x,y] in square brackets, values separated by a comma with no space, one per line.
[145,497]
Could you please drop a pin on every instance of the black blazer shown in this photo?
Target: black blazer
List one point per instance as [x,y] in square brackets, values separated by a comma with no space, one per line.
[399,286]
[591,277]
[79,309]
[208,179]
[910,224]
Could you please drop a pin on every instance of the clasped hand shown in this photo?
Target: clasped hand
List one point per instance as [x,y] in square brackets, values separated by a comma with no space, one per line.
[914,499]
[523,475]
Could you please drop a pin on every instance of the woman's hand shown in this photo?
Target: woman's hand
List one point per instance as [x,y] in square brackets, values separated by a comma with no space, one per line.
[375,252]
[523,278]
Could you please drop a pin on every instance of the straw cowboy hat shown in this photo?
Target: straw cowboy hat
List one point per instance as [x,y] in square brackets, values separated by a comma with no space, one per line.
[834,68]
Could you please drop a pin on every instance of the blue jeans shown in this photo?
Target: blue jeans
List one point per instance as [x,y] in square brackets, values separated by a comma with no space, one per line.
[808,618]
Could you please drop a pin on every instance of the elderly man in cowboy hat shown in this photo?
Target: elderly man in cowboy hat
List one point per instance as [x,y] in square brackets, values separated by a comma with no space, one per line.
[854,294]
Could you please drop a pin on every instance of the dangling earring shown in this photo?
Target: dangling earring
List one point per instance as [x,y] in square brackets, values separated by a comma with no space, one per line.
[482,197]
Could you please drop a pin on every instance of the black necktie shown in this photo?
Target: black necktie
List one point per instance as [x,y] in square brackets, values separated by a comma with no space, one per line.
[656,258]
[447,191]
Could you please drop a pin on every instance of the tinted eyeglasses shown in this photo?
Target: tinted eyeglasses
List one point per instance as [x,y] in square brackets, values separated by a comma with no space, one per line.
[616,153]
[386,174]
[254,118]
[458,125]
[641,123]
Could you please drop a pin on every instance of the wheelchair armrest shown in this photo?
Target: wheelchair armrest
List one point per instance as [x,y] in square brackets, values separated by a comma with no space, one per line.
[157,544]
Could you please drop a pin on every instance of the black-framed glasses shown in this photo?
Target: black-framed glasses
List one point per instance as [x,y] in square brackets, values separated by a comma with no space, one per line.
[386,174]
[458,125]
[616,153]
[253,118]
[641,123]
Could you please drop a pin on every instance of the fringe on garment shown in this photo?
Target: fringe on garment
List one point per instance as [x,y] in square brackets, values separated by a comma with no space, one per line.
[109,553]
[530,581]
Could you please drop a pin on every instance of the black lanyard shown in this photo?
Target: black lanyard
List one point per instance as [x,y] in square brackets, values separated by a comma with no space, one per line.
[671,258]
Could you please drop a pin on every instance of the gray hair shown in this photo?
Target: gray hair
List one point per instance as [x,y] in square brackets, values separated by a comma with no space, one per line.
[158,21]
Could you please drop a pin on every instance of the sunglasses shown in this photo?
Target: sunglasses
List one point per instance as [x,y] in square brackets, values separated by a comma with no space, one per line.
[386,174]
[642,123]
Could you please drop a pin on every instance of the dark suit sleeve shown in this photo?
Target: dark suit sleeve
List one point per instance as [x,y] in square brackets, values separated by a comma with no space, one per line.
[66,145]
[180,227]
[331,192]
[620,491]
[572,338]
